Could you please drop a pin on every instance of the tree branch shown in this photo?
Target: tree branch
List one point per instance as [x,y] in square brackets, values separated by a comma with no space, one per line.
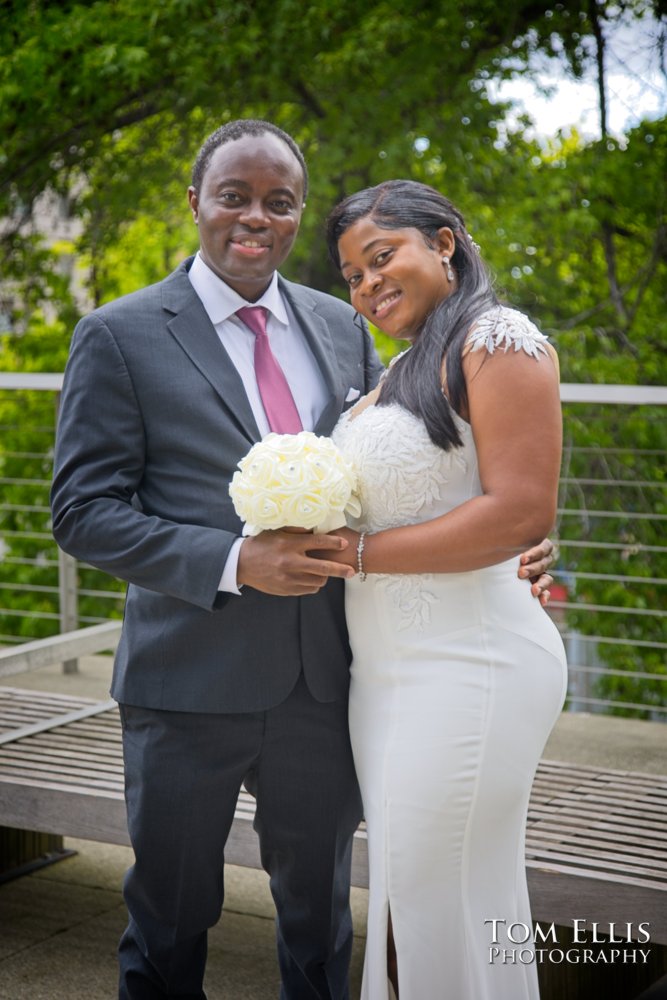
[615,293]
[641,282]
[64,140]
[599,58]
[659,245]
[607,228]
[310,101]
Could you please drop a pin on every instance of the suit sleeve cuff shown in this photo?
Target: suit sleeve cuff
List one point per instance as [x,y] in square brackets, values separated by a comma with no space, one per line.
[228,582]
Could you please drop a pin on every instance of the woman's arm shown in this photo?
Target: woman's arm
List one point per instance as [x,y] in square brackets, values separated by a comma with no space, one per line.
[519,462]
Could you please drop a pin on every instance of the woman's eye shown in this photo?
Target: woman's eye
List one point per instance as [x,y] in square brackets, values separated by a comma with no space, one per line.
[353,280]
[382,257]
[230,197]
[281,206]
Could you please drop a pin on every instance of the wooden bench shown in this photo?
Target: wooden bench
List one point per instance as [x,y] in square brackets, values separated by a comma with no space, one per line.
[596,840]
[596,846]
[22,851]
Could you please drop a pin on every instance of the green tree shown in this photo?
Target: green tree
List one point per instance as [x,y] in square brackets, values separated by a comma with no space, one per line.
[103,104]
[355,84]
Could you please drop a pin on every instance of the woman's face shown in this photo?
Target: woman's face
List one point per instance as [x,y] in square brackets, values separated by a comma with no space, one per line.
[395,278]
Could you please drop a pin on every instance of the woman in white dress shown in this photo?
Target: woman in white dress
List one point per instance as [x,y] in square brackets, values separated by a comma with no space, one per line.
[458,675]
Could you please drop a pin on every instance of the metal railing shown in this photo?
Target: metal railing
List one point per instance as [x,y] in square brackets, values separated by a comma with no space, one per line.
[612,571]
[609,596]
[43,591]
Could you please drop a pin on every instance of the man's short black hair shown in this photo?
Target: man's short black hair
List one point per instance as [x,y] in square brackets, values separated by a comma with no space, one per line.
[237,130]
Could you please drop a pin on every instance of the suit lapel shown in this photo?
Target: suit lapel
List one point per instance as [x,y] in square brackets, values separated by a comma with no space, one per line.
[195,333]
[318,336]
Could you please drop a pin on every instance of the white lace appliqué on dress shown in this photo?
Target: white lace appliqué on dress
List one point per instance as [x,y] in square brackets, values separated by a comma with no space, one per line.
[503,328]
[402,478]
[401,472]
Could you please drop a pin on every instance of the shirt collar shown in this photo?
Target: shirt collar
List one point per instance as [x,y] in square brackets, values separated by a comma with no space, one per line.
[220,301]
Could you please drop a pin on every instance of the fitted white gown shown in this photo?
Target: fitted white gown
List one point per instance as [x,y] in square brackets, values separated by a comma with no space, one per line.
[457,679]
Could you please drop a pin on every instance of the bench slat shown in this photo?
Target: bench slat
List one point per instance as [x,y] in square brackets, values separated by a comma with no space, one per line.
[563,866]
[621,823]
[653,868]
[577,835]
[550,779]
[46,770]
[61,720]
[61,755]
[580,771]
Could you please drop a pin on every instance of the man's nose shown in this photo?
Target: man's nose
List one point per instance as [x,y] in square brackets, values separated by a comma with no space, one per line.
[254,215]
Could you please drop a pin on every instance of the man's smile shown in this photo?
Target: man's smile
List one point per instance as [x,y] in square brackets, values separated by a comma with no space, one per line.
[250,246]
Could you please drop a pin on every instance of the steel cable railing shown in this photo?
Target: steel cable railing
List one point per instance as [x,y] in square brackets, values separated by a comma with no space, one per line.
[609,595]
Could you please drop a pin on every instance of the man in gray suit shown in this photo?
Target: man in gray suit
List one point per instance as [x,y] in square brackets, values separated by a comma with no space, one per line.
[233,663]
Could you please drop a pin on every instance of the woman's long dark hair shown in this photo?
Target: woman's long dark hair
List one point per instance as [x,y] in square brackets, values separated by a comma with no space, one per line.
[416,381]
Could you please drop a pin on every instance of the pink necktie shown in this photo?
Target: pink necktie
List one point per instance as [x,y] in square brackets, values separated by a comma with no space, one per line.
[277,399]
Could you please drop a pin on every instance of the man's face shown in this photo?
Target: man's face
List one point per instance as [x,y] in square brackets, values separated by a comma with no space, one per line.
[248,211]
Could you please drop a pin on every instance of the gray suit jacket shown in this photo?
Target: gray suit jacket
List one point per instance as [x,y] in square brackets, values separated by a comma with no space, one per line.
[153,421]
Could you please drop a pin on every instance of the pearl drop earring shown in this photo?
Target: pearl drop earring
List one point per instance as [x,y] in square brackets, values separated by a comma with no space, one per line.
[450,273]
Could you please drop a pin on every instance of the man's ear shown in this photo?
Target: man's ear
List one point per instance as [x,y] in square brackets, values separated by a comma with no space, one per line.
[194,204]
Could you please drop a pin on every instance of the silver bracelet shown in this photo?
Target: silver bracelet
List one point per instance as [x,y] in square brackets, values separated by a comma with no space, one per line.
[360,551]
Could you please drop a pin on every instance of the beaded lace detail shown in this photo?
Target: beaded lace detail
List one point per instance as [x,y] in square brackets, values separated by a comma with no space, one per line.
[503,328]
[401,472]
[402,480]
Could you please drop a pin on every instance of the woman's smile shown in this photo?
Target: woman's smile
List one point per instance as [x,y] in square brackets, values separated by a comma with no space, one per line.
[385,304]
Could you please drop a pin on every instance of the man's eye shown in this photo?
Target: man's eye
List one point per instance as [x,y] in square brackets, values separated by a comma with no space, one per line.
[281,206]
[230,197]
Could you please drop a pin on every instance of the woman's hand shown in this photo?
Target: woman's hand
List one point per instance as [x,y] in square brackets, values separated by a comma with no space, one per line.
[533,565]
[346,556]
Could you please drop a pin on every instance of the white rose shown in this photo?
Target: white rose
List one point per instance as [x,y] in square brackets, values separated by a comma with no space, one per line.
[259,468]
[294,475]
[304,510]
[339,494]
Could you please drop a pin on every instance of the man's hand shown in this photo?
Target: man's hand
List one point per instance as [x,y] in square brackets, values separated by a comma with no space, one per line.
[290,564]
[533,565]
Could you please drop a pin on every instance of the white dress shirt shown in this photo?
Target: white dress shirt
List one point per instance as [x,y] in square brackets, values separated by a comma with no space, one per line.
[288,345]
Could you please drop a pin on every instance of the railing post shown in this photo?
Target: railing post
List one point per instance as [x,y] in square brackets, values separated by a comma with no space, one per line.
[69,610]
[67,583]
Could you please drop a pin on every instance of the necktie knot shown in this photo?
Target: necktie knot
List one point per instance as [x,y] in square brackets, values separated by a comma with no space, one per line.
[254,318]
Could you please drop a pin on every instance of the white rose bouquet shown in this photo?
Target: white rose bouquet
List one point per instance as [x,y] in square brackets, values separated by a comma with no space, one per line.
[294,480]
